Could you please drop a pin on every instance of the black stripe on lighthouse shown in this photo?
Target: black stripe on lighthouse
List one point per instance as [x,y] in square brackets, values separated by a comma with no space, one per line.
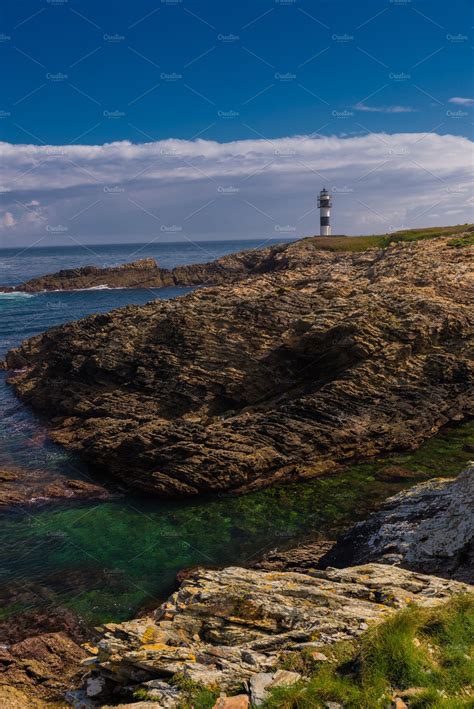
[324,221]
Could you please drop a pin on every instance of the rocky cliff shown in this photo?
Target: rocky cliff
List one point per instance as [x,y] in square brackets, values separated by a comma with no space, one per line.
[318,359]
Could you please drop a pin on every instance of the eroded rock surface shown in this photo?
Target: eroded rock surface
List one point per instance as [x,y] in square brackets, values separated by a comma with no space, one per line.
[322,358]
[225,627]
[13,698]
[302,558]
[429,528]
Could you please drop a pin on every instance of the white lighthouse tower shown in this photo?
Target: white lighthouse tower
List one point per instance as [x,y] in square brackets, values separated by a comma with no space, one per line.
[324,205]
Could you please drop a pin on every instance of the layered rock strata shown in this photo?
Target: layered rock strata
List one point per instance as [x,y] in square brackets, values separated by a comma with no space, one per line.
[325,358]
[228,627]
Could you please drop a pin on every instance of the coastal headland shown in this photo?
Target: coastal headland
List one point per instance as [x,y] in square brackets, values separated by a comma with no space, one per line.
[314,359]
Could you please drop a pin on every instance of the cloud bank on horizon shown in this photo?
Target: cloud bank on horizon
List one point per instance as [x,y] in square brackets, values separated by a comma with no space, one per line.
[205,190]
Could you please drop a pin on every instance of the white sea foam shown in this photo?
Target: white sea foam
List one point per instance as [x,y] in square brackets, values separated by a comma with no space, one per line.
[81,290]
[16,294]
[99,287]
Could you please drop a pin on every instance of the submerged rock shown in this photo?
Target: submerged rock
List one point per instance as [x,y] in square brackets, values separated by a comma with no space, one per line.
[315,359]
[428,528]
[22,487]
[225,627]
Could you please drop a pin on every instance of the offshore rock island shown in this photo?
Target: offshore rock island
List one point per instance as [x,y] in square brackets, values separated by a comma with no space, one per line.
[301,360]
[143,273]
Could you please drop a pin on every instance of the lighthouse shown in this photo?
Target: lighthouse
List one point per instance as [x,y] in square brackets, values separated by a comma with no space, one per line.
[324,205]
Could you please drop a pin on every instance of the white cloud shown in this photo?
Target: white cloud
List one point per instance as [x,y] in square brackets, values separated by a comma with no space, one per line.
[462,101]
[200,189]
[384,109]
[8,220]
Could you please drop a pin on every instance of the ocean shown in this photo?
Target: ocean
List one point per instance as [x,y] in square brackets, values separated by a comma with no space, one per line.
[105,561]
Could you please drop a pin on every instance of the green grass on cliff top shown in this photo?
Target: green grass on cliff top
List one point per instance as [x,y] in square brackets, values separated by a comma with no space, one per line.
[361,243]
[426,650]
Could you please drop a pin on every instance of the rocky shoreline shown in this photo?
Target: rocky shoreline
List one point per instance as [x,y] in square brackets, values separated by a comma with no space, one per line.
[427,528]
[146,273]
[231,628]
[325,358]
[301,361]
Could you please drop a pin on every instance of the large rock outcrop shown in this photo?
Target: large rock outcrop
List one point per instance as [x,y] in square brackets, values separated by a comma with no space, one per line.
[225,627]
[428,528]
[322,359]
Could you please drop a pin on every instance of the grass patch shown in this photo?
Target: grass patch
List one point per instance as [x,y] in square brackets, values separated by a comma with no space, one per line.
[141,695]
[195,695]
[430,649]
[361,243]
[467,240]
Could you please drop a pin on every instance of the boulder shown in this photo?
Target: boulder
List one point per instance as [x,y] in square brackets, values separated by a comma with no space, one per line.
[258,687]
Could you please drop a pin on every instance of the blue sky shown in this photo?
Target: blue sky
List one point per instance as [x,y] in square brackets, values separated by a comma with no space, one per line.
[199,59]
[84,73]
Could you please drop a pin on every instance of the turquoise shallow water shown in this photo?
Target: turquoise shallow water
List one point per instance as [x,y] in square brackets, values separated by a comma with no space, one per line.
[107,560]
